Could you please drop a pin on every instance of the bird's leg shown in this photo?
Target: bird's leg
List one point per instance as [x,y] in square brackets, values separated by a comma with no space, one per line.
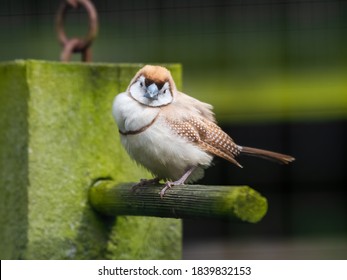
[180,181]
[145,182]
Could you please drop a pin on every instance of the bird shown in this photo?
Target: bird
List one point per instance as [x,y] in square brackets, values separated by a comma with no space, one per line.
[172,134]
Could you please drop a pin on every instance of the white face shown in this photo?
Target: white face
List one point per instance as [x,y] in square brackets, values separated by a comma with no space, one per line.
[151,94]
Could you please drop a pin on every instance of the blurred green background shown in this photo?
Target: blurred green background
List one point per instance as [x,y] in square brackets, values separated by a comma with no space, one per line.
[276,73]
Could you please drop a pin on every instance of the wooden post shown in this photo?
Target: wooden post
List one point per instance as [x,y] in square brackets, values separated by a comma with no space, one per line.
[57,139]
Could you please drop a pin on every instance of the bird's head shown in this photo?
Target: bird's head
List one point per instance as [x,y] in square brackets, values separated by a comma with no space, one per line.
[153,86]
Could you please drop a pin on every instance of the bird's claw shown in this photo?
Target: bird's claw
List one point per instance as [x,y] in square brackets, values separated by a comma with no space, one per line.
[168,185]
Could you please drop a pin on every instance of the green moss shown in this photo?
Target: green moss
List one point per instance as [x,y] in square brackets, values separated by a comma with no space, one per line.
[145,238]
[247,204]
[59,137]
[14,182]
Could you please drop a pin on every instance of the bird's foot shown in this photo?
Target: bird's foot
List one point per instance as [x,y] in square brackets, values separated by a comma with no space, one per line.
[168,185]
[145,182]
[180,181]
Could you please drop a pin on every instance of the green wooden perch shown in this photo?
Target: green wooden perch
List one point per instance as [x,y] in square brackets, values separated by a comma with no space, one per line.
[186,201]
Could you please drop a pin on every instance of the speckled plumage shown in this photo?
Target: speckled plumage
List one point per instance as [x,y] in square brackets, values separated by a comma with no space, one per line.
[208,136]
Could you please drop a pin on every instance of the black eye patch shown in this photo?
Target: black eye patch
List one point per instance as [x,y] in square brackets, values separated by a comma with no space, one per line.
[148,82]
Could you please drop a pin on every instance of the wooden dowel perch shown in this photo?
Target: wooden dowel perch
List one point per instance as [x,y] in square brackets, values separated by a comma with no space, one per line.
[186,201]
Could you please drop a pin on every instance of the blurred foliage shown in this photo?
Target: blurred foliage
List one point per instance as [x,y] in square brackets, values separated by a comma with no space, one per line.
[253,60]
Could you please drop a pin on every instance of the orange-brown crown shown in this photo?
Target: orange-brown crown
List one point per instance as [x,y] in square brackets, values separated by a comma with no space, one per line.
[156,74]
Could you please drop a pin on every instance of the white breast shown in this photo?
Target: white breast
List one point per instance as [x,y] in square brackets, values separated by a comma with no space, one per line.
[131,115]
[158,148]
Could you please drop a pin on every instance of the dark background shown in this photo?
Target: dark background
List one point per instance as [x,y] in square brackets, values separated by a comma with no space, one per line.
[276,74]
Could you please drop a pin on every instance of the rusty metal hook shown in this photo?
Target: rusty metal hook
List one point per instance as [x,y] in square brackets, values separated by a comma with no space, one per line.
[75,45]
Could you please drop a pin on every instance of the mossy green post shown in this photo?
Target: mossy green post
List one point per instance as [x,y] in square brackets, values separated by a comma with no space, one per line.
[57,139]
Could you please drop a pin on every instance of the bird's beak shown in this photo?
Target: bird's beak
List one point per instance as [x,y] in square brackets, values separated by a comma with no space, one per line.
[152,92]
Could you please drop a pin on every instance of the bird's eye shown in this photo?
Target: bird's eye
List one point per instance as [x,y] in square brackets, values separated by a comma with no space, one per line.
[141,84]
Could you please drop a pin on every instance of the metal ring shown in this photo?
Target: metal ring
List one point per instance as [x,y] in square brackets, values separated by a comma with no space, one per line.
[78,44]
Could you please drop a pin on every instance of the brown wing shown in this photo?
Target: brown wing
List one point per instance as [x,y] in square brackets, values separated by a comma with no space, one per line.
[208,136]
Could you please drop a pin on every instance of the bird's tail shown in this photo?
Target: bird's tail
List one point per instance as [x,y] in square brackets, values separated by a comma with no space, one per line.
[281,158]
